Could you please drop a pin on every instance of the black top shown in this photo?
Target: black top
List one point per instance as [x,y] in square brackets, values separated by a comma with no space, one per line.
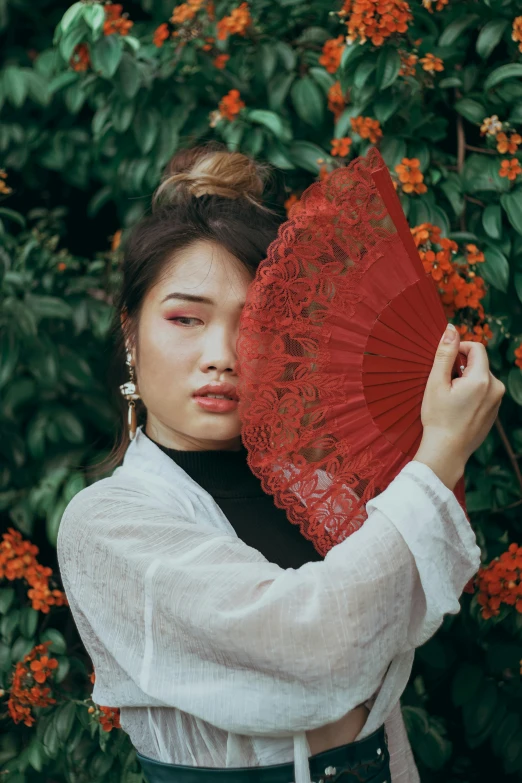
[252,513]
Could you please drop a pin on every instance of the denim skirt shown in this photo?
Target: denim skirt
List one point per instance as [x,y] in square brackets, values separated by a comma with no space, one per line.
[363,761]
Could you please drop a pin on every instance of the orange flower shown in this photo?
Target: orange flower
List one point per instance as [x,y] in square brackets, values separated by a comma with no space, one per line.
[161,34]
[36,667]
[508,145]
[439,5]
[500,583]
[236,23]
[367,128]
[230,105]
[115,22]
[221,60]
[341,146]
[516,35]
[518,354]
[3,187]
[116,239]
[430,63]
[490,126]
[80,59]
[332,53]
[336,101]
[209,43]
[375,19]
[409,62]
[410,176]
[186,11]
[474,255]
[109,718]
[510,168]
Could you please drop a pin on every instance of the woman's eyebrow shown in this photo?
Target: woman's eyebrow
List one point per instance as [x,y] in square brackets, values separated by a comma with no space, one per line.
[192,298]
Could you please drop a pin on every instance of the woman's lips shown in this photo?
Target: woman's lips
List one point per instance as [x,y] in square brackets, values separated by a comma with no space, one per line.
[214,405]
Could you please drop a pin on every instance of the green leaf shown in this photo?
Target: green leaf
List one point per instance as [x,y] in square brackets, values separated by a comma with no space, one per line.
[386,106]
[278,90]
[272,121]
[268,57]
[7,595]
[452,189]
[94,15]
[286,55]
[308,101]
[71,15]
[324,79]
[58,645]
[145,127]
[277,155]
[480,173]
[393,150]
[305,154]
[512,204]
[454,30]
[48,307]
[75,35]
[388,67]
[9,353]
[28,621]
[64,720]
[479,710]
[471,110]
[106,54]
[70,426]
[495,270]
[490,36]
[362,73]
[510,71]
[514,384]
[466,682]
[128,76]
[15,85]
[492,221]
[518,284]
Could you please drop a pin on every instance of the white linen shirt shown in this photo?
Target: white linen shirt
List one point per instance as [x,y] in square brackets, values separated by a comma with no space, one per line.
[217,657]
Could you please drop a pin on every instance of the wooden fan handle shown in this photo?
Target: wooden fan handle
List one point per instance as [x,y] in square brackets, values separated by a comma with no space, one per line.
[459,366]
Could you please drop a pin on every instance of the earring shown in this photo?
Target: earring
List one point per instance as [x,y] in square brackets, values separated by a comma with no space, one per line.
[128,390]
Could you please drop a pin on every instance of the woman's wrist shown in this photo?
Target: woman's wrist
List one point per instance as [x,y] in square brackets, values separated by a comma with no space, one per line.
[445,463]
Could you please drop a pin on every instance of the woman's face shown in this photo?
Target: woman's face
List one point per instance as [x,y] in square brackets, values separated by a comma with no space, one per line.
[185,343]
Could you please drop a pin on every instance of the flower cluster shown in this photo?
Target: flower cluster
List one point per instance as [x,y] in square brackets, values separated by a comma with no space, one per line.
[109,717]
[161,34]
[375,20]
[499,582]
[229,107]
[4,189]
[235,24]
[186,12]
[431,64]
[367,128]
[518,356]
[336,102]
[410,176]
[434,5]
[28,677]
[18,561]
[490,126]
[510,169]
[332,53]
[460,288]
[341,146]
[80,58]
[516,35]
[408,63]
[508,144]
[115,21]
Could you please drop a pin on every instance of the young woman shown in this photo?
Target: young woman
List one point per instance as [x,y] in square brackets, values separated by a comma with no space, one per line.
[234,651]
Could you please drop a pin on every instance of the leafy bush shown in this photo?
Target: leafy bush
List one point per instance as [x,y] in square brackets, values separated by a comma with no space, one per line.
[92,110]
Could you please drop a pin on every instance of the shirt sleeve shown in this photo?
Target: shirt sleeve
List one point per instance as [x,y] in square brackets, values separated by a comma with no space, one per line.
[200,621]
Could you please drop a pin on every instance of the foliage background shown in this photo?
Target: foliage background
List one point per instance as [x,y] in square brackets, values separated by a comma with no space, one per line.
[93,104]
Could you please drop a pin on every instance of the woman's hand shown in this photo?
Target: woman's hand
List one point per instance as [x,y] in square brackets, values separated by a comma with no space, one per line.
[457,414]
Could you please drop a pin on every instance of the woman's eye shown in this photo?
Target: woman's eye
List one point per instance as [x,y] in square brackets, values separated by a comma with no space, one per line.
[183,318]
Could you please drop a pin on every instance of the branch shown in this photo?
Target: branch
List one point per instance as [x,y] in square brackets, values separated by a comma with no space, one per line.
[509,450]
[482,150]
[506,508]
[475,201]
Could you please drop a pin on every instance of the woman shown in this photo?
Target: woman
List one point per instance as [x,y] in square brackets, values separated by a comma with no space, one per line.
[224,638]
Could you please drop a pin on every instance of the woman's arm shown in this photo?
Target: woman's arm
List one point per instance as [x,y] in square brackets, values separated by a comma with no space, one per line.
[203,622]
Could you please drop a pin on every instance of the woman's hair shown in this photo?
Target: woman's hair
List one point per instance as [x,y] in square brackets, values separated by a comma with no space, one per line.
[206,193]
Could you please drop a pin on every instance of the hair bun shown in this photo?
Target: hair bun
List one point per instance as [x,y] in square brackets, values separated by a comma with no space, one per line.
[211,170]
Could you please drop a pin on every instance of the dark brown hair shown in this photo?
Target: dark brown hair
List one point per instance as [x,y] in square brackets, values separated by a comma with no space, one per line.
[207,193]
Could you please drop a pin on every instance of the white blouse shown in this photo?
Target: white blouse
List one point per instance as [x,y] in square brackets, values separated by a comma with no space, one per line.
[217,657]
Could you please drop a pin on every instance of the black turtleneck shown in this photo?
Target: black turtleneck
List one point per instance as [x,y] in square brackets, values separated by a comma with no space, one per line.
[252,513]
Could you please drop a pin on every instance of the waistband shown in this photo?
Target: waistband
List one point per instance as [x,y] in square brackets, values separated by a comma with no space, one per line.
[363,761]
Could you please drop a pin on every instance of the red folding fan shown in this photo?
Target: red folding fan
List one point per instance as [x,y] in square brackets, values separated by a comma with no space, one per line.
[337,339]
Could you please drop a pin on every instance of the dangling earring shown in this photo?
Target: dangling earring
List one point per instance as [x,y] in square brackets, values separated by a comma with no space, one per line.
[128,390]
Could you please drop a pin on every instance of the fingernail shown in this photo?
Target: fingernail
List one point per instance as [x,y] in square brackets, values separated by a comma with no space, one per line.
[449,334]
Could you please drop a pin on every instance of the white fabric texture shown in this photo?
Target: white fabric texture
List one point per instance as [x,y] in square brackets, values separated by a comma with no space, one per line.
[217,657]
